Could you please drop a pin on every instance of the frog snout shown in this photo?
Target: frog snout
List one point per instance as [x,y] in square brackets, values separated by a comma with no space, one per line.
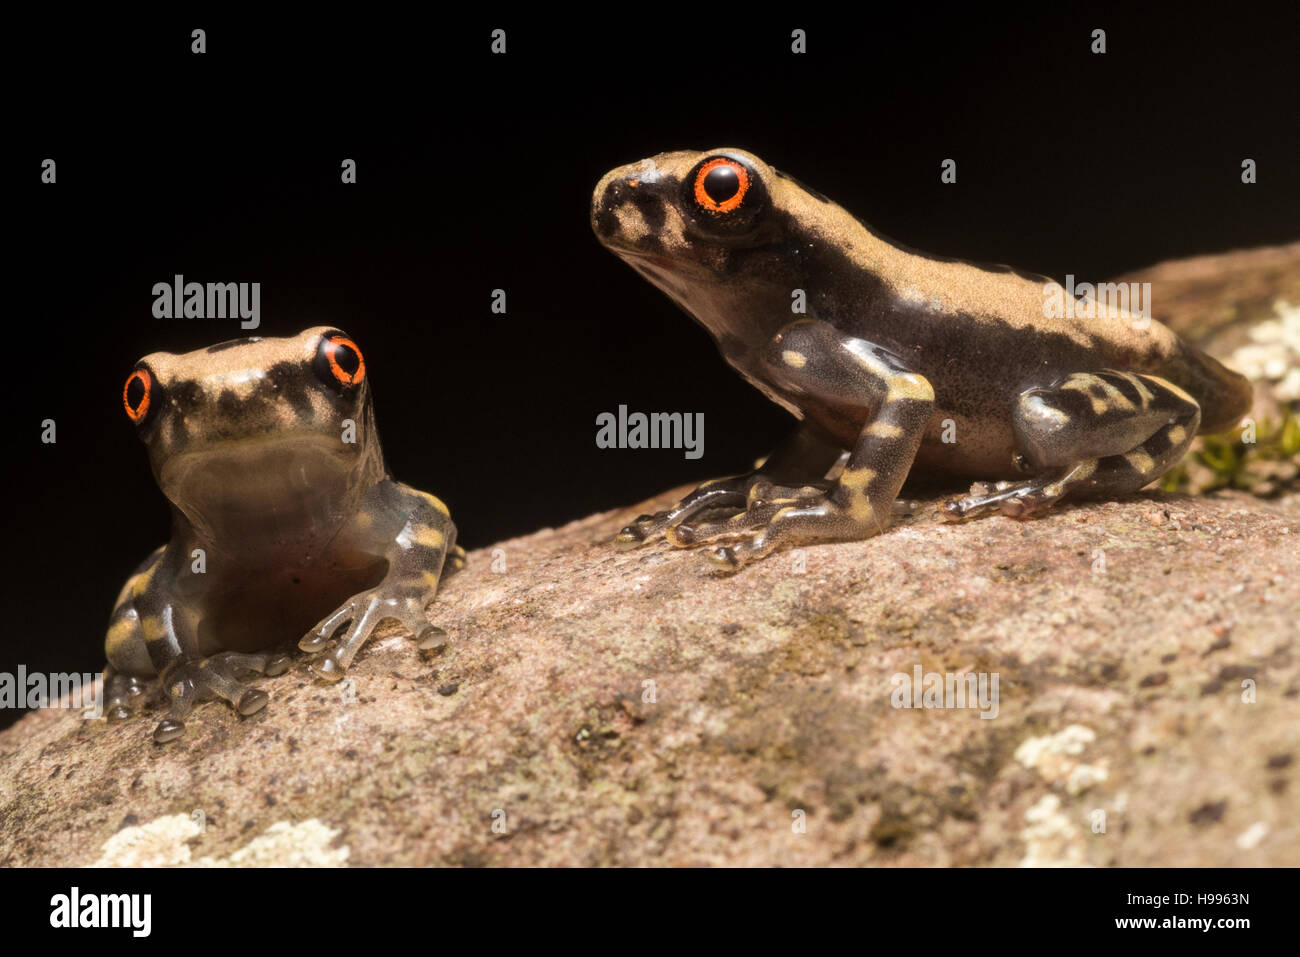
[611,193]
[627,203]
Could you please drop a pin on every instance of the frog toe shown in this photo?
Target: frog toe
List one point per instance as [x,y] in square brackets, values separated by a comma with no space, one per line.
[124,695]
[952,510]
[320,634]
[1013,499]
[252,701]
[724,557]
[169,729]
[729,493]
[742,551]
[747,549]
[430,638]
[642,530]
[689,534]
[327,668]
[757,516]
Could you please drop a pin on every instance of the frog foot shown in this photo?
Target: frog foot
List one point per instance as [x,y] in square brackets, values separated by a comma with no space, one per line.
[765,500]
[777,516]
[720,493]
[736,495]
[365,611]
[1014,499]
[187,682]
[798,521]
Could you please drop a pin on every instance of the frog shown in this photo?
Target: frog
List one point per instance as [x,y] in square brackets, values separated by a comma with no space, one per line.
[286,526]
[893,361]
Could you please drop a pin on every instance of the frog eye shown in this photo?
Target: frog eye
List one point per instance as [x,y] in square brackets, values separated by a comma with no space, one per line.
[137,394]
[339,362]
[721,185]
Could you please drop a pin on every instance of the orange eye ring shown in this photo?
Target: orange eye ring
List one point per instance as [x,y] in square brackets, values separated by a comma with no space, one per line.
[138,412]
[727,205]
[332,346]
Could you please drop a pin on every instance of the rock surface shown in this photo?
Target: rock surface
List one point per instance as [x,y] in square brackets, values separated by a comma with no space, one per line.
[599,707]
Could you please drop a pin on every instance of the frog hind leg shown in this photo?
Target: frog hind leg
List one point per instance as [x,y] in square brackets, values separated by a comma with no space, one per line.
[146,640]
[130,670]
[800,462]
[853,379]
[1099,434]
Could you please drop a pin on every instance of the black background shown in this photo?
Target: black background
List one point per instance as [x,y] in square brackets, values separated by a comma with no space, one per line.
[901,905]
[977,904]
[475,172]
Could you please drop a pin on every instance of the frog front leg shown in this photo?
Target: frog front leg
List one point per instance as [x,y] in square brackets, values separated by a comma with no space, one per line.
[800,462]
[850,379]
[414,532]
[1090,433]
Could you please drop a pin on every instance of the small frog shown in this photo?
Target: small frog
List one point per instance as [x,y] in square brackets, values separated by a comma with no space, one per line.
[897,358]
[285,524]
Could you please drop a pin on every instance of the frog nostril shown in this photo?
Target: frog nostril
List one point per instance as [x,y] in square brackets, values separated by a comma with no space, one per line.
[603,220]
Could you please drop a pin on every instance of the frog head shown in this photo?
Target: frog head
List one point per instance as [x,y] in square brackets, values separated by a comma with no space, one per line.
[255,433]
[721,232]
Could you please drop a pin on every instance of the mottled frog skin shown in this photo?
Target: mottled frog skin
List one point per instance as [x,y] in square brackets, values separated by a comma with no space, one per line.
[285,524]
[892,343]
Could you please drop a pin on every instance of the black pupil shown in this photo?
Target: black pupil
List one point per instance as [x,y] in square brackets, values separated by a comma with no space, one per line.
[721,183]
[135,392]
[347,358]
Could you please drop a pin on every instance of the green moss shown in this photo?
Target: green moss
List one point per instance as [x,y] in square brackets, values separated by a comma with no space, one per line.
[1265,467]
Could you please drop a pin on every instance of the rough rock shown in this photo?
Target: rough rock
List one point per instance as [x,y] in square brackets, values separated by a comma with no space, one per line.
[599,707]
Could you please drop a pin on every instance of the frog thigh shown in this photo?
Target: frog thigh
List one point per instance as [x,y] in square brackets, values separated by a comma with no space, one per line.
[126,649]
[124,644]
[1092,415]
[1092,434]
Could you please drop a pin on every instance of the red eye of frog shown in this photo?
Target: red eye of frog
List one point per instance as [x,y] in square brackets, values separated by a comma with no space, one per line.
[343,359]
[721,185]
[136,395]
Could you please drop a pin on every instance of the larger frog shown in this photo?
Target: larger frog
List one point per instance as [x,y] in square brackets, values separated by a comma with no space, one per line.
[899,358]
[285,524]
